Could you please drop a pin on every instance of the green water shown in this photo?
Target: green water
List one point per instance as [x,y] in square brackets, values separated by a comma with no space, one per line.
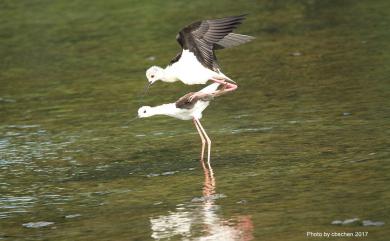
[304,140]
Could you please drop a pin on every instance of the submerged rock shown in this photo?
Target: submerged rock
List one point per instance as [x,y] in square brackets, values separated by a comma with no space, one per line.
[73,215]
[243,201]
[5,100]
[358,222]
[40,224]
[337,222]
[345,222]
[169,173]
[296,54]
[372,223]
[350,221]
[161,174]
[153,175]
[151,58]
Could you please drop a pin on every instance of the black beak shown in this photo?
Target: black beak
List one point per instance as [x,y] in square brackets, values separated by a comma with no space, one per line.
[131,120]
[147,86]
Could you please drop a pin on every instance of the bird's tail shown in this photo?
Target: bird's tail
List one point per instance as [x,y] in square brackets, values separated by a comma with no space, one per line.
[232,40]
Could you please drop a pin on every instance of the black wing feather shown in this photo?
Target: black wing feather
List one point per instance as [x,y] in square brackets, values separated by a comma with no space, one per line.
[184,101]
[203,36]
[176,58]
[231,40]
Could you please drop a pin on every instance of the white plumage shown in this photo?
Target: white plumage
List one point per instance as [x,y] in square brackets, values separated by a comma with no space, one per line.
[188,112]
[197,63]
[189,71]
[180,113]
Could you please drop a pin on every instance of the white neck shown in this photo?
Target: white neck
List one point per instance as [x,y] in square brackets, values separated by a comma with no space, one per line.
[165,109]
[168,75]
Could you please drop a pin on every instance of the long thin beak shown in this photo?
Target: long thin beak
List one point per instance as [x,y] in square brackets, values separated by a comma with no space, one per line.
[131,120]
[147,86]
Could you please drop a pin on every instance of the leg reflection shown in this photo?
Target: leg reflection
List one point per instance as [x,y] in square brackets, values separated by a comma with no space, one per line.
[209,181]
[201,218]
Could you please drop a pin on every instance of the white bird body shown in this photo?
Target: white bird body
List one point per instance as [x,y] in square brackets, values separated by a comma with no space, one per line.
[182,114]
[187,108]
[197,63]
[172,110]
[189,71]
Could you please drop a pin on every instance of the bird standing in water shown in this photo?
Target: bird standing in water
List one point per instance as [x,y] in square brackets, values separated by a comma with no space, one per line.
[196,63]
[188,107]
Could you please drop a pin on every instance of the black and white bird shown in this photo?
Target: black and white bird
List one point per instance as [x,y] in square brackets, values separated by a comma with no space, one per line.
[196,63]
[188,107]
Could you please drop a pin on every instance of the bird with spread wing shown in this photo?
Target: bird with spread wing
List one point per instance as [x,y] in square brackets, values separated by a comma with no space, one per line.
[197,63]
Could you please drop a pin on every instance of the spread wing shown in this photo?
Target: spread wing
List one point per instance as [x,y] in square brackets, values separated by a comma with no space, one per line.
[203,37]
[233,39]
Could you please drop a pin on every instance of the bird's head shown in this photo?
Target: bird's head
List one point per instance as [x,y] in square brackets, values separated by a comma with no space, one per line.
[154,73]
[145,111]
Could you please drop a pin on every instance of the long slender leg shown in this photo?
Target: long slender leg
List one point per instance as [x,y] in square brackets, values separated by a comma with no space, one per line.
[201,137]
[209,185]
[208,141]
[209,181]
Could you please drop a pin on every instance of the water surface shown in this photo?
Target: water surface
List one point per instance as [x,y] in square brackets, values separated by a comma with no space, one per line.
[302,143]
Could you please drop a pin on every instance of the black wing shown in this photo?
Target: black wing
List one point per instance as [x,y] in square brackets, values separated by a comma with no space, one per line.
[231,40]
[202,37]
[175,59]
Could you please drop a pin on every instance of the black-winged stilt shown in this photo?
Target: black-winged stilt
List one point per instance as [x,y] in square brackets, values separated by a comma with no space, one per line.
[196,63]
[187,108]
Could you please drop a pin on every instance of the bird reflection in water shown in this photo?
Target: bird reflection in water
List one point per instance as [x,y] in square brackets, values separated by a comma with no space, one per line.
[202,222]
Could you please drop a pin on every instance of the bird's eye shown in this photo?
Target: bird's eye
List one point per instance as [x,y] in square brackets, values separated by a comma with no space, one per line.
[152,76]
[144,111]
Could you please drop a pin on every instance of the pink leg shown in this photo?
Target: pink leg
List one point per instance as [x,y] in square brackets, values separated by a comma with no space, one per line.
[202,138]
[209,185]
[208,141]
[228,86]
